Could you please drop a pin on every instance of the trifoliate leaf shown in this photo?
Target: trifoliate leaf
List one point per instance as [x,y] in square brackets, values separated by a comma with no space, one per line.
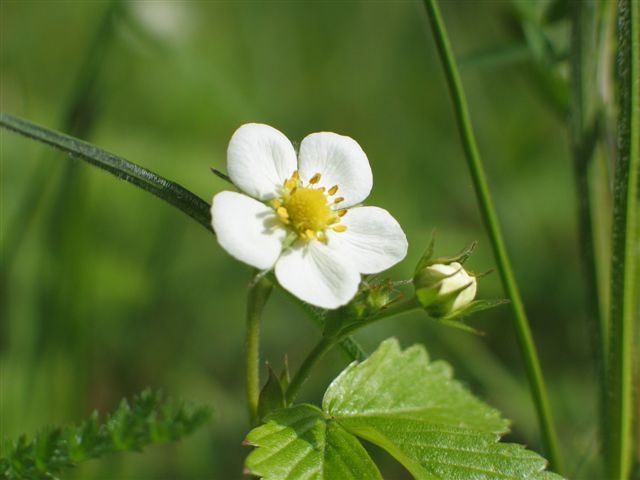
[413,409]
[407,405]
[300,442]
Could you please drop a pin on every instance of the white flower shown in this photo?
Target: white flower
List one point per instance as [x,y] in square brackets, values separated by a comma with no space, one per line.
[437,284]
[300,215]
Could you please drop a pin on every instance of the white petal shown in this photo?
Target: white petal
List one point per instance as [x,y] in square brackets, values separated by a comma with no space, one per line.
[373,241]
[318,275]
[340,161]
[247,229]
[259,159]
[457,277]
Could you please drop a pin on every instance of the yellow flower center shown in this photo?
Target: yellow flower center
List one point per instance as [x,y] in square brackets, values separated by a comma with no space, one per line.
[307,209]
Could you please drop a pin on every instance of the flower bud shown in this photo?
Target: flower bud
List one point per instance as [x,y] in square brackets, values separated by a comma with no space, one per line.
[443,289]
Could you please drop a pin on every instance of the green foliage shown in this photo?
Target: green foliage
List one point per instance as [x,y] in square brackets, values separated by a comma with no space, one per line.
[150,419]
[407,405]
[300,442]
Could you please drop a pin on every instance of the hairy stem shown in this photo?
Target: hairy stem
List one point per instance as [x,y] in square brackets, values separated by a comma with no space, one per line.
[256,301]
[523,331]
[624,265]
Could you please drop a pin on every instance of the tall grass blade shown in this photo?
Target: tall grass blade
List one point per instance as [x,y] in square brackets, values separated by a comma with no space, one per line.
[476,169]
[625,248]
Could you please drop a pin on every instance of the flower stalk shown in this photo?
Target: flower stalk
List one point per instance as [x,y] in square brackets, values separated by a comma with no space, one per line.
[476,169]
[326,343]
[257,299]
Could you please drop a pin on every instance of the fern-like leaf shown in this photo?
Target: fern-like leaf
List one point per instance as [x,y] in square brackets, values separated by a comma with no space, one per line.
[149,419]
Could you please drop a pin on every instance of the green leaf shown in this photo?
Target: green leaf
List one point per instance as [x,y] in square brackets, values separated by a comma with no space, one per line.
[300,442]
[150,419]
[407,405]
[412,408]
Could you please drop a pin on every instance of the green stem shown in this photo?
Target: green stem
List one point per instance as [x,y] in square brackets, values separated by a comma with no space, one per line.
[523,331]
[327,343]
[323,346]
[256,301]
[624,266]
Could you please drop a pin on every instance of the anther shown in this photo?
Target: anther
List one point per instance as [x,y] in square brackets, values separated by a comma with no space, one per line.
[310,233]
[340,228]
[315,179]
[276,203]
[282,212]
[342,213]
[296,175]
[291,184]
[333,190]
[338,200]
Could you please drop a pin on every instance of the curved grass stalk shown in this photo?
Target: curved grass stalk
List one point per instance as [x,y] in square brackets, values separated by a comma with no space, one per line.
[167,190]
[625,238]
[523,331]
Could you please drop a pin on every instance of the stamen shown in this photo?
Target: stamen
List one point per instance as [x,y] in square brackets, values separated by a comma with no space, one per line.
[315,179]
[343,212]
[291,184]
[321,189]
[333,190]
[338,200]
[310,233]
[276,203]
[323,238]
[282,212]
[340,228]
[334,220]
[296,175]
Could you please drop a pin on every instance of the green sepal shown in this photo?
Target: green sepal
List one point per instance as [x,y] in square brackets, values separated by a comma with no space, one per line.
[272,395]
[476,306]
[428,253]
[460,257]
[285,378]
[458,324]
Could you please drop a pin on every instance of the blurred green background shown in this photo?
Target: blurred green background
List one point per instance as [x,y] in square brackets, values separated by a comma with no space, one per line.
[106,290]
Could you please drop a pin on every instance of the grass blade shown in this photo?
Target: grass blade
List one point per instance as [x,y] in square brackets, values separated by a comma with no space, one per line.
[624,265]
[170,192]
[476,169]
